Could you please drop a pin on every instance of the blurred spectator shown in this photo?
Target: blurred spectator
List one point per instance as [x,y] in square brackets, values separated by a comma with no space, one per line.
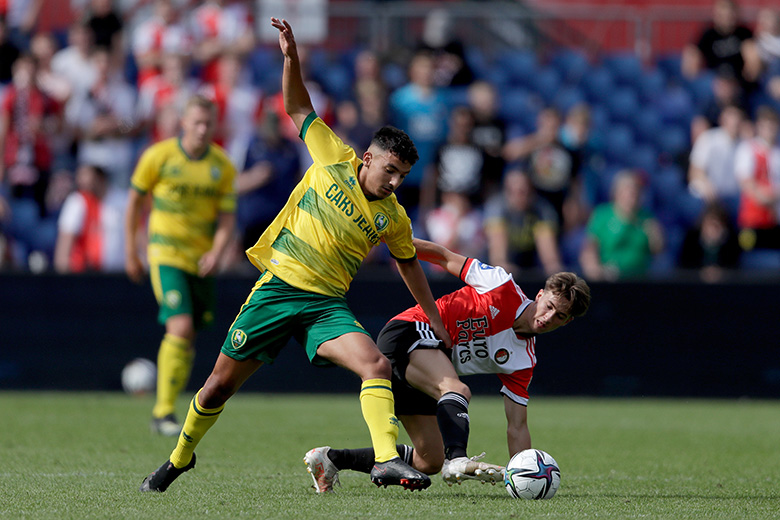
[711,247]
[21,19]
[163,96]
[74,61]
[156,37]
[711,174]
[26,153]
[584,146]
[489,132]
[237,102]
[105,24]
[622,237]
[726,91]
[8,54]
[762,52]
[103,118]
[450,66]
[271,170]
[91,225]
[521,228]
[757,166]
[720,45]
[43,47]
[350,127]
[458,165]
[549,163]
[420,109]
[219,28]
[454,183]
[368,75]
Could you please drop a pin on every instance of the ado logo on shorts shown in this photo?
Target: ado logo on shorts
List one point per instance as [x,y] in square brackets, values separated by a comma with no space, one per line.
[173,298]
[238,338]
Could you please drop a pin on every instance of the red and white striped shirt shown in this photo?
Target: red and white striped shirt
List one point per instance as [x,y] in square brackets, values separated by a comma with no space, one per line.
[479,318]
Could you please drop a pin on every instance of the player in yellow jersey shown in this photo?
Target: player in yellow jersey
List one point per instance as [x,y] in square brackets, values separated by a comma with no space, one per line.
[191,183]
[308,255]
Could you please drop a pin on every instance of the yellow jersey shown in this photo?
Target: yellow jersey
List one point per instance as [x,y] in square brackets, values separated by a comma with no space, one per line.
[328,226]
[188,194]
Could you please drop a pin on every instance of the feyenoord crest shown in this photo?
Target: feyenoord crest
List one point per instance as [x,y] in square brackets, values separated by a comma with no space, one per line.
[238,338]
[501,356]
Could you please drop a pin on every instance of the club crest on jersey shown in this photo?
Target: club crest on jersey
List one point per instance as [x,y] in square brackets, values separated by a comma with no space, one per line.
[238,338]
[173,299]
[501,356]
[215,173]
[380,222]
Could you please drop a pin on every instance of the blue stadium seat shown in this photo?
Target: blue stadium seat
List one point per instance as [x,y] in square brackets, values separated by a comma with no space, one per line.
[651,85]
[571,64]
[337,81]
[520,106]
[647,125]
[520,64]
[623,105]
[619,144]
[394,75]
[760,260]
[566,97]
[546,82]
[675,106]
[666,187]
[476,59]
[700,89]
[670,65]
[645,158]
[673,140]
[598,85]
[625,67]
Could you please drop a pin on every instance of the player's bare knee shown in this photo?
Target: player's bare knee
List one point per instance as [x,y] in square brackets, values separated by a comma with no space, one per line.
[458,387]
[215,392]
[377,368]
[430,465]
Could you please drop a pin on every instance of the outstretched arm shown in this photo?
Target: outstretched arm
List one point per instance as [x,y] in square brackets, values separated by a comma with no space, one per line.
[297,102]
[440,255]
[518,437]
[415,280]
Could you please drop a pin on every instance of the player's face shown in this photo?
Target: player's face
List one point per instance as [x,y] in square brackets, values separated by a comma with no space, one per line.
[197,126]
[382,174]
[550,313]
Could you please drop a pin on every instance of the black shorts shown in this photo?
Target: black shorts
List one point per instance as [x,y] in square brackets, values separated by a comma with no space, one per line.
[396,341]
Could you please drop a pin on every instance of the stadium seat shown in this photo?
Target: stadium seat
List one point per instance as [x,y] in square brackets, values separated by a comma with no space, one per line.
[394,75]
[651,85]
[673,141]
[520,106]
[598,85]
[337,81]
[619,144]
[623,105]
[670,65]
[566,97]
[645,158]
[520,64]
[675,106]
[625,67]
[700,89]
[571,64]
[647,125]
[760,260]
[546,82]
[476,59]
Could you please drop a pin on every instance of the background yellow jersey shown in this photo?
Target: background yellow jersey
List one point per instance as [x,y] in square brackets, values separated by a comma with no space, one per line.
[328,226]
[187,196]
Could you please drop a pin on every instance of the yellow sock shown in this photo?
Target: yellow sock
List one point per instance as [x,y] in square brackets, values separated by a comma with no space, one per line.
[197,423]
[174,365]
[377,403]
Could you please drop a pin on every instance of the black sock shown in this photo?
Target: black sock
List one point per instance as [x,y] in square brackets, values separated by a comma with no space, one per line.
[452,413]
[363,459]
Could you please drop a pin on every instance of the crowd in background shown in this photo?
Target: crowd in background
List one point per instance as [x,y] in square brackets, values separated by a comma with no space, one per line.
[77,108]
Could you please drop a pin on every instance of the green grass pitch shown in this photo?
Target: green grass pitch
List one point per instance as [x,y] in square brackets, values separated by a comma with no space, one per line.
[83,455]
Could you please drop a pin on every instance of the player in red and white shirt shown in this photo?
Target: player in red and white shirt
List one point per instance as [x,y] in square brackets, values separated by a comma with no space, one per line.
[493,326]
[156,37]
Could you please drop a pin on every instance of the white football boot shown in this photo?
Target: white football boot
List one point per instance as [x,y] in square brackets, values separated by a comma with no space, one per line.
[322,470]
[469,468]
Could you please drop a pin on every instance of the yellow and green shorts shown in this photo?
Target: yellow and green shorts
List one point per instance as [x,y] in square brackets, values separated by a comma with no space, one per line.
[179,292]
[275,312]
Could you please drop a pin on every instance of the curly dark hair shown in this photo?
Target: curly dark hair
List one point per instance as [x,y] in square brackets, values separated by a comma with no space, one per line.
[397,142]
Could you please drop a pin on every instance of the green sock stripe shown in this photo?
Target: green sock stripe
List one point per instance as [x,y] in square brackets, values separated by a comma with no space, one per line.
[381,387]
[203,412]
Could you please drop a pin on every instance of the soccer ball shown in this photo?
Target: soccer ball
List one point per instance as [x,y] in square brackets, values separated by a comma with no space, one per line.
[139,377]
[532,474]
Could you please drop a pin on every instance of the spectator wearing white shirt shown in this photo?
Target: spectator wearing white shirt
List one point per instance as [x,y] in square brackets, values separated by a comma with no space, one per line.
[711,172]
